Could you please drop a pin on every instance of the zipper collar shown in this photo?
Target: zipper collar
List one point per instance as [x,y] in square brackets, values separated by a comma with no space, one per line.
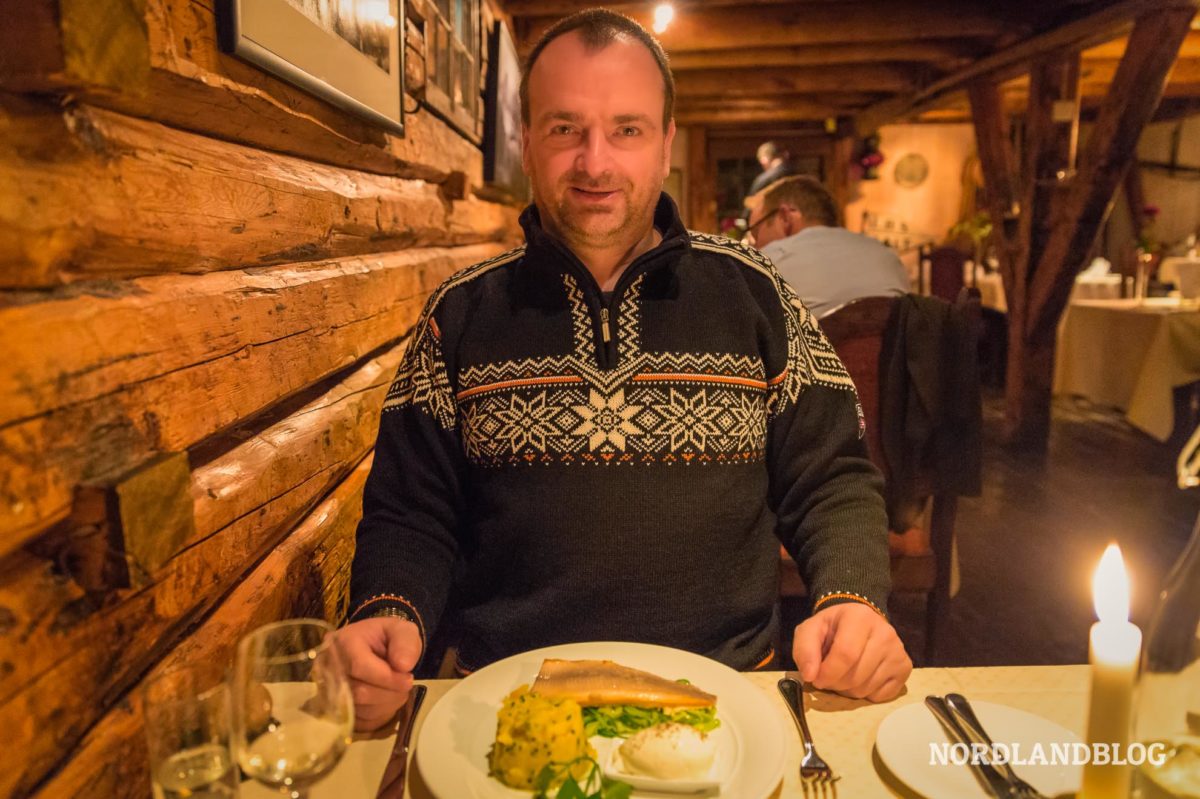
[546,258]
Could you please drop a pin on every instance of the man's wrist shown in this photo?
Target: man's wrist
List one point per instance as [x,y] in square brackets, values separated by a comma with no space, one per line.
[393,611]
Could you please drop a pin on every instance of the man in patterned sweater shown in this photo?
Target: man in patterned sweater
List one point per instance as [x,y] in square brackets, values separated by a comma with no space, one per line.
[605,434]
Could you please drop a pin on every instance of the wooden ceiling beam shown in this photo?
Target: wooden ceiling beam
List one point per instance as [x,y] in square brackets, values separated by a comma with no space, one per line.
[769,81]
[1108,23]
[762,116]
[728,28]
[1115,48]
[946,53]
[549,8]
[845,102]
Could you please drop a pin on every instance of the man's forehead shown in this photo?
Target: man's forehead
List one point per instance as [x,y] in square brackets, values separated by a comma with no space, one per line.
[560,70]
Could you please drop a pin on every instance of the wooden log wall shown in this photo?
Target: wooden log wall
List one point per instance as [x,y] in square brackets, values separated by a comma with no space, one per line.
[206,280]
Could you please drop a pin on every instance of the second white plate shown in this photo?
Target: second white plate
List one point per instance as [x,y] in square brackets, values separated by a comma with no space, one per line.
[907,737]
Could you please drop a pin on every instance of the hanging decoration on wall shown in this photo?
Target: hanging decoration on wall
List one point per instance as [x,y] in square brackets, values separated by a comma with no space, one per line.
[911,171]
[348,54]
[502,116]
[869,158]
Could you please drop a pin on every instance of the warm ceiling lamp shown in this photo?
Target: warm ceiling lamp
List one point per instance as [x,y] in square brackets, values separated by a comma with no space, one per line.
[663,14]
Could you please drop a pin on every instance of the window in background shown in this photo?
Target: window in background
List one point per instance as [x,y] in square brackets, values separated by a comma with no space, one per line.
[452,49]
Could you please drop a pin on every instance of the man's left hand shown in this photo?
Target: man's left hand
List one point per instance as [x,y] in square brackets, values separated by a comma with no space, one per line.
[851,649]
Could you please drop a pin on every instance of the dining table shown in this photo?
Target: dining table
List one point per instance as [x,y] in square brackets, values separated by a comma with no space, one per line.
[1130,354]
[843,729]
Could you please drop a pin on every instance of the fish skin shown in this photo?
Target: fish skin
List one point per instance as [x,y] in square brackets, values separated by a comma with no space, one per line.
[592,683]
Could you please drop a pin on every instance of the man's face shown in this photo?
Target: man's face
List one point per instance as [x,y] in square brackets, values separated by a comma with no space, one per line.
[766,226]
[595,149]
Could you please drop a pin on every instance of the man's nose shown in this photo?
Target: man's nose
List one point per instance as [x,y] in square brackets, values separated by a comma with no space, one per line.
[593,157]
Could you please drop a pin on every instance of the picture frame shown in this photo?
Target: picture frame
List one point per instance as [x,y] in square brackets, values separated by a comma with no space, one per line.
[502,117]
[353,59]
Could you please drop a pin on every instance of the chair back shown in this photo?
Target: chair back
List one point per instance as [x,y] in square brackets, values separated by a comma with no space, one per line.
[946,266]
[856,332]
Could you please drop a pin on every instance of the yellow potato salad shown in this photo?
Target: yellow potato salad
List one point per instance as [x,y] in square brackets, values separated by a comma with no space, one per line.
[533,732]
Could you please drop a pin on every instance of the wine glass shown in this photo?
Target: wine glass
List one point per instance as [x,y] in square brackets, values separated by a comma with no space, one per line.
[186,716]
[292,708]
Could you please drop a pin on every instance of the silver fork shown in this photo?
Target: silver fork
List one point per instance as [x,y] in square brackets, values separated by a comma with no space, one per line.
[814,771]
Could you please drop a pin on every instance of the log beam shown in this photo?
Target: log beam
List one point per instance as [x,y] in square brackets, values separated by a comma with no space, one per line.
[87,193]
[111,761]
[68,658]
[95,374]
[159,60]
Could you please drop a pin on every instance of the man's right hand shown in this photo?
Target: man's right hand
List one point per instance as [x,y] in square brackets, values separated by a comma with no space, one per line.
[380,655]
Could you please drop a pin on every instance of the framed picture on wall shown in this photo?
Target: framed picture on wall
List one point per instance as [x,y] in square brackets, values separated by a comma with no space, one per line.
[348,54]
[502,117]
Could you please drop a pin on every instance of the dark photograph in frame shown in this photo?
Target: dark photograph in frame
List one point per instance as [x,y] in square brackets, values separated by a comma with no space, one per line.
[502,117]
[348,54]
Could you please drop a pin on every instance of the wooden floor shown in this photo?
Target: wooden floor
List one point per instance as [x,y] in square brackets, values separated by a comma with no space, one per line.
[1029,545]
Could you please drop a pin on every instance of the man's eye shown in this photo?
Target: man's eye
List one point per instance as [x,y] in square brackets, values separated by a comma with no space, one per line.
[629,130]
[562,130]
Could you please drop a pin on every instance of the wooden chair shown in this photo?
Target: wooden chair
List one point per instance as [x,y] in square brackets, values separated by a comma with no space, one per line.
[922,550]
[946,266]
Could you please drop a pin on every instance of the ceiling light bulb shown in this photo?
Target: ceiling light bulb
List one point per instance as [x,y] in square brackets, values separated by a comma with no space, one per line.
[663,14]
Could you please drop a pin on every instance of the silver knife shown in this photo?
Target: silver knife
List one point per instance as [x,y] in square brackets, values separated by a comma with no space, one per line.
[989,778]
[395,774]
[962,709]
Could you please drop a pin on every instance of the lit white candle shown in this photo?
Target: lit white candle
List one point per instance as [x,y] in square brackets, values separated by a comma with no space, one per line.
[1114,652]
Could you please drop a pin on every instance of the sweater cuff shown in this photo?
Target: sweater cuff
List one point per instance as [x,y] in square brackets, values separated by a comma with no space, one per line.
[831,598]
[369,607]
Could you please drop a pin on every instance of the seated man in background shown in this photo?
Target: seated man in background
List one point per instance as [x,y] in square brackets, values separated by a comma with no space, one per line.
[794,223]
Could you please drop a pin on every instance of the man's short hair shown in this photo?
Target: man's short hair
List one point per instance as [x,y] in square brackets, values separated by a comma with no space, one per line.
[768,150]
[599,27]
[806,195]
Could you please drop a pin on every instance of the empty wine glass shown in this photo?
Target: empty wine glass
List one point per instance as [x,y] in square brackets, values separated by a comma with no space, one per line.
[293,712]
[186,715]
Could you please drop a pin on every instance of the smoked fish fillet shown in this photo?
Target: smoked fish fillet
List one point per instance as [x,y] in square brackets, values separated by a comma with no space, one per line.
[602,682]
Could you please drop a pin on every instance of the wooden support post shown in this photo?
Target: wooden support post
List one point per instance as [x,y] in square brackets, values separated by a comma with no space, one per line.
[1047,229]
[701,211]
[1132,99]
[837,175]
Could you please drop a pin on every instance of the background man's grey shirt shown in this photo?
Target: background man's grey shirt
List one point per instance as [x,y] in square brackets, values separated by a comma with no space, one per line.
[831,266]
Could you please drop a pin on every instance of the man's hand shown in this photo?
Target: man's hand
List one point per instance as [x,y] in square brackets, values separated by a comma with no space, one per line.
[851,649]
[380,655]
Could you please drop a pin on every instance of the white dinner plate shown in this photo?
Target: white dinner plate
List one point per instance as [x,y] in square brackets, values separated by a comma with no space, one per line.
[452,748]
[905,739]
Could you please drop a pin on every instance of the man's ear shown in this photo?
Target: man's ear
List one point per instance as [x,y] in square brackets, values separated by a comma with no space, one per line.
[525,150]
[667,140]
[793,221]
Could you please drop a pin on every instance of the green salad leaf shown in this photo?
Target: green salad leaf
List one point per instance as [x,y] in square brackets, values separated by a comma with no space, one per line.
[622,721]
[594,785]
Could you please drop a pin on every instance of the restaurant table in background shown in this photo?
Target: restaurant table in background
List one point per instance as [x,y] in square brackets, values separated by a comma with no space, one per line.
[1102,287]
[844,729]
[1183,273]
[1130,355]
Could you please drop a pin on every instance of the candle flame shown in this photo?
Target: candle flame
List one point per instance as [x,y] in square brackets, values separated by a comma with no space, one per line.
[1110,587]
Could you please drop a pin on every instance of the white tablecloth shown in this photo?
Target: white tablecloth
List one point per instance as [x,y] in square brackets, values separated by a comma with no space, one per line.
[1129,355]
[844,729]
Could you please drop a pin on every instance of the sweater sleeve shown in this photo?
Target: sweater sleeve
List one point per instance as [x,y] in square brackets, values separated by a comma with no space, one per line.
[825,492]
[407,541]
